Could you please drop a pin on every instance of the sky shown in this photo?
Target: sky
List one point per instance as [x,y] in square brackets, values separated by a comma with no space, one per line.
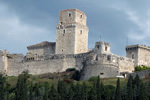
[118,22]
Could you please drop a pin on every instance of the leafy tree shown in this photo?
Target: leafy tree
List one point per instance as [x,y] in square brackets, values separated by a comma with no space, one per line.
[117,93]
[21,88]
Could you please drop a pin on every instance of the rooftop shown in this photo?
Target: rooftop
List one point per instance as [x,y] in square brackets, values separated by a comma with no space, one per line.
[42,44]
[138,46]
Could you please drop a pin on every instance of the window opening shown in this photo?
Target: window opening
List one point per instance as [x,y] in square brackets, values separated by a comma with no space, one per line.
[105,48]
[69,14]
[80,31]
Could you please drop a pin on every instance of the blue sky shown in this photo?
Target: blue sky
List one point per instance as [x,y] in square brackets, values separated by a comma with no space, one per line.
[26,22]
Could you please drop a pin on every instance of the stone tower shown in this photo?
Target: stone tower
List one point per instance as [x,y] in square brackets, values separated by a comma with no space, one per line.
[72,32]
[140,54]
[102,47]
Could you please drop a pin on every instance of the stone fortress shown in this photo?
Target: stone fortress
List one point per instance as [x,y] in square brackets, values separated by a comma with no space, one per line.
[71,51]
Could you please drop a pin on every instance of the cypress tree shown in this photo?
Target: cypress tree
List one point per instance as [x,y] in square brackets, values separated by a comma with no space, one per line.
[2,89]
[71,92]
[21,88]
[84,91]
[142,95]
[92,93]
[53,93]
[136,87]
[130,88]
[46,94]
[117,93]
[98,89]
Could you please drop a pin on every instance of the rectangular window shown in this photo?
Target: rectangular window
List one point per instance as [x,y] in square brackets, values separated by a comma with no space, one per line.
[69,14]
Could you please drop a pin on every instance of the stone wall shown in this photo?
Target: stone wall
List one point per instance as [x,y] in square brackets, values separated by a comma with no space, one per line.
[144,56]
[1,61]
[42,66]
[140,53]
[102,70]
[126,64]
[43,48]
[141,74]
[105,65]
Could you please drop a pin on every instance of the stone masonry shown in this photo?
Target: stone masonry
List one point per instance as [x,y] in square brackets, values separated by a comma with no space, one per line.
[71,51]
[72,32]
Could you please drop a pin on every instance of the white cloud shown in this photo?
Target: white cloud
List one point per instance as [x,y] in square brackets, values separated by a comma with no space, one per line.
[13,28]
[144,27]
[141,22]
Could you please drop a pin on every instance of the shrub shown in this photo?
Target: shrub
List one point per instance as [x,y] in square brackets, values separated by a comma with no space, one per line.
[141,68]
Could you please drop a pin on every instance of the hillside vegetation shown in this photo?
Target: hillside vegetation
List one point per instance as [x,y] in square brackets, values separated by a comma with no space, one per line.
[62,86]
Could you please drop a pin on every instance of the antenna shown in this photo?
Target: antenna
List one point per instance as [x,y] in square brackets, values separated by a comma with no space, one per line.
[127,41]
[100,38]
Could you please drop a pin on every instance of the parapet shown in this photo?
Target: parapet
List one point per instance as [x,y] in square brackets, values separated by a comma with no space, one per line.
[102,47]
[131,47]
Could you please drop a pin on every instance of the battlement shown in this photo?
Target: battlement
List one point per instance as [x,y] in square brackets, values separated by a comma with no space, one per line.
[102,47]
[131,47]
[72,16]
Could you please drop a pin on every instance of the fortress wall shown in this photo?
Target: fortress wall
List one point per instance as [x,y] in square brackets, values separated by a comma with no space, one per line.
[103,70]
[126,64]
[144,57]
[40,67]
[39,51]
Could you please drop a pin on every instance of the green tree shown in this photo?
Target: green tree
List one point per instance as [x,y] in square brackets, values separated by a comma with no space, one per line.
[71,92]
[117,93]
[2,85]
[21,88]
[92,93]
[130,88]
[47,88]
[143,93]
[98,88]
[136,87]
[53,93]
[84,91]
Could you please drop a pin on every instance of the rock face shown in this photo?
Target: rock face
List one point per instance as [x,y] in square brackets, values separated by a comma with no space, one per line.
[71,51]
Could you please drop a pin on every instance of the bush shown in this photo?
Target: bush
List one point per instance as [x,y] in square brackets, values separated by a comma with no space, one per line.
[93,79]
[141,68]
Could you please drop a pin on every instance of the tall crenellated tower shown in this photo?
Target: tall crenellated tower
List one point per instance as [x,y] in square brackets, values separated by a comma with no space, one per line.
[72,32]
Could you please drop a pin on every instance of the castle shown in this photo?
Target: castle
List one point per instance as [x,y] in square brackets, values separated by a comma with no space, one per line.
[71,51]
